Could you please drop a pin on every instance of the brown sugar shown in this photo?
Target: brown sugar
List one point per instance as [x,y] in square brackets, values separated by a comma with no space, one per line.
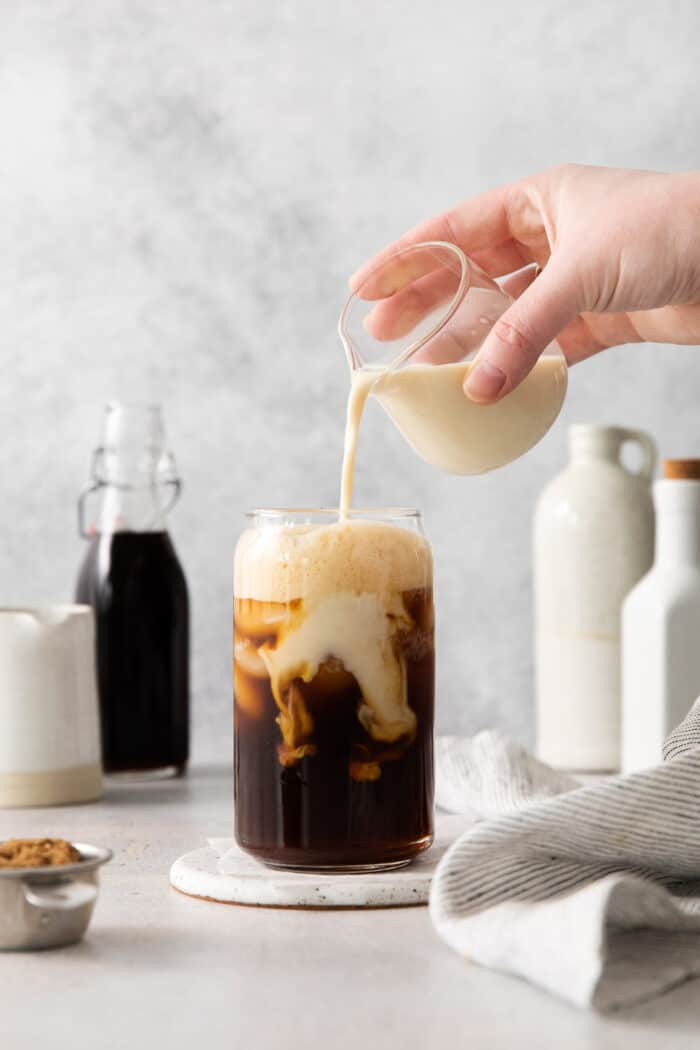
[37,853]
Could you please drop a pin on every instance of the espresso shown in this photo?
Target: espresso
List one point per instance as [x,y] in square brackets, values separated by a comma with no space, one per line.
[334,694]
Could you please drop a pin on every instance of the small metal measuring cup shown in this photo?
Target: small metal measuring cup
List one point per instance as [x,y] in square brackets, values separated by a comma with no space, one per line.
[52,906]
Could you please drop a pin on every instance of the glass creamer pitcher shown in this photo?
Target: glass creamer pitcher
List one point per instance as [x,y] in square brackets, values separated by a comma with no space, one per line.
[411,332]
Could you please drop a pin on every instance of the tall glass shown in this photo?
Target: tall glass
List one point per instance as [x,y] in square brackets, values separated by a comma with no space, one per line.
[333,689]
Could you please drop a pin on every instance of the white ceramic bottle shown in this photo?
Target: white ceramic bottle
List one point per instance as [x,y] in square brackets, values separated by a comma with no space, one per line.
[661,623]
[593,540]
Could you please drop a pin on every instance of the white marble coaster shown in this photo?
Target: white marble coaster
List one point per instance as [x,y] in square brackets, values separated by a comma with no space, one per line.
[223,872]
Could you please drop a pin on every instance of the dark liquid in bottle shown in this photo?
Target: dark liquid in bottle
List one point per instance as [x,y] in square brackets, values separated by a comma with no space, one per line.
[135,584]
[347,801]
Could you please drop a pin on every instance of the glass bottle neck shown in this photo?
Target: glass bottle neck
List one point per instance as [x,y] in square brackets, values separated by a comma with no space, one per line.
[134,481]
[132,509]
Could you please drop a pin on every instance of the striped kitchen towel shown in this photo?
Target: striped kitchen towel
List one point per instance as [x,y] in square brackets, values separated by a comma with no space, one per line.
[591,892]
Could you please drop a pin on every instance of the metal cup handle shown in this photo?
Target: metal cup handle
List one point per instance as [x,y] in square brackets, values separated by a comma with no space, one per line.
[64,896]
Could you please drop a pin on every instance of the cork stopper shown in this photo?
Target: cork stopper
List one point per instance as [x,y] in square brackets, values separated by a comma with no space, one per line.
[682,469]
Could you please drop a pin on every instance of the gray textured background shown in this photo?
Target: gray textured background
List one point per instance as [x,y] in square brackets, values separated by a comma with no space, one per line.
[184,188]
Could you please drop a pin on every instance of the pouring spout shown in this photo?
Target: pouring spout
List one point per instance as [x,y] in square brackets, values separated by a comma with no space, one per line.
[46,615]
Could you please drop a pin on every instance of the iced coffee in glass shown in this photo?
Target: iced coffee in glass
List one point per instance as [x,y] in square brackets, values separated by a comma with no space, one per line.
[334,689]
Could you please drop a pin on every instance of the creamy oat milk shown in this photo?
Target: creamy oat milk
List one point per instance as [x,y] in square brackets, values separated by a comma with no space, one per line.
[445,428]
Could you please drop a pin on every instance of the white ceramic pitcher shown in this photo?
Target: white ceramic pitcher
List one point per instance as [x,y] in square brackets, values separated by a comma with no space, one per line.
[49,721]
[593,539]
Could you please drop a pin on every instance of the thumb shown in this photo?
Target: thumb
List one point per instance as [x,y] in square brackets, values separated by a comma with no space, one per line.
[521,334]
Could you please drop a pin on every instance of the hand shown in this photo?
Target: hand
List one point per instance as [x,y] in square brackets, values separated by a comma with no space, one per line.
[620,258]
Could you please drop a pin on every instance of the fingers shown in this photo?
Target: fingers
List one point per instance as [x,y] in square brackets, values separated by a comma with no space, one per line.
[588,334]
[448,346]
[518,338]
[420,284]
[476,224]
[463,334]
[505,258]
[407,269]
[516,283]
[402,313]
[399,314]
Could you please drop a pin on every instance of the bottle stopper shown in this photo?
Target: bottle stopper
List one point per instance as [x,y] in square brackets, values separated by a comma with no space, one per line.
[682,469]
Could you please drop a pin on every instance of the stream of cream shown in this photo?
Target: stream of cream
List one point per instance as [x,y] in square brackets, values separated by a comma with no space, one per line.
[361,382]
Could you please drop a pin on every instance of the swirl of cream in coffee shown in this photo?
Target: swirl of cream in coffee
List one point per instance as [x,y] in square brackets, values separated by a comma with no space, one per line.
[333,593]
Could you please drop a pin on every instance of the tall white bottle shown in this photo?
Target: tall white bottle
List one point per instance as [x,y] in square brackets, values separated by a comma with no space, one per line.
[593,540]
[661,623]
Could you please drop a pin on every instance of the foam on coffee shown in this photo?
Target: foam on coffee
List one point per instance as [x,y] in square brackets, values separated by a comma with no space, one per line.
[282,564]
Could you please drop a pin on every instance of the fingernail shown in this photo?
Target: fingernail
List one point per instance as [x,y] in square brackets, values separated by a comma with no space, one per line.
[485,382]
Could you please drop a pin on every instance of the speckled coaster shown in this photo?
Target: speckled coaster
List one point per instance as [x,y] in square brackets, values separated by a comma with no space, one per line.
[222,872]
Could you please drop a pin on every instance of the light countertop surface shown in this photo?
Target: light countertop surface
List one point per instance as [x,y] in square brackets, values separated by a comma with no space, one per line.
[158,969]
